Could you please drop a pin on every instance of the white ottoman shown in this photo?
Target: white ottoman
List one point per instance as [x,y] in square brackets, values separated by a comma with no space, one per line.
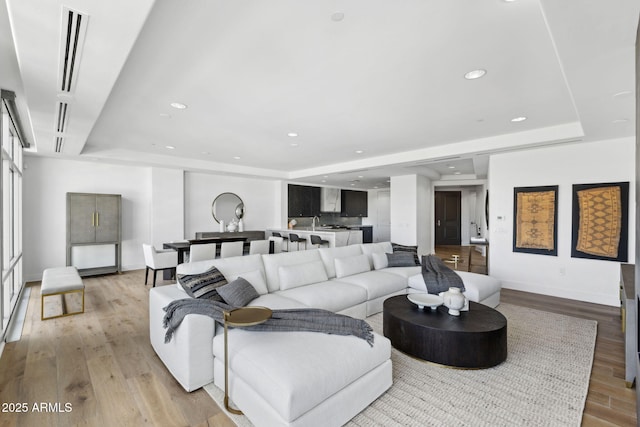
[302,378]
[59,282]
[478,287]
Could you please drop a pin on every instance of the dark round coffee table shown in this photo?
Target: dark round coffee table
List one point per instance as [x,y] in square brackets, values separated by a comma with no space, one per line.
[475,339]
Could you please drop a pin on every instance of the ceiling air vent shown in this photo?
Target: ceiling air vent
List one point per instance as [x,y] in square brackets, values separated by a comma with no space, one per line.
[61,124]
[74,28]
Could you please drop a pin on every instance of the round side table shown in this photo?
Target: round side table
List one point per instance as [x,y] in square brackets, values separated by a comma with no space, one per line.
[238,318]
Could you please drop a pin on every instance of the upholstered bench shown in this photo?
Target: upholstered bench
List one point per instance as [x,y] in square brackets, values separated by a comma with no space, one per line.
[60,281]
[479,287]
[302,378]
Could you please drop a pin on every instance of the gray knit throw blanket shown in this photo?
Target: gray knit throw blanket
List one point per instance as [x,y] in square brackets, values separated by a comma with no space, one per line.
[438,277]
[303,319]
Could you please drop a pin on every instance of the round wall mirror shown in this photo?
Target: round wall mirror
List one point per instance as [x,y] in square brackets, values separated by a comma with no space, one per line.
[226,207]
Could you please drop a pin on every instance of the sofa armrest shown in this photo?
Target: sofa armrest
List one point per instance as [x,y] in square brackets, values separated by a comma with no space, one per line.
[189,354]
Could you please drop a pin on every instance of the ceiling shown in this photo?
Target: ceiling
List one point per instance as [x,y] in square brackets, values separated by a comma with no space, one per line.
[371,88]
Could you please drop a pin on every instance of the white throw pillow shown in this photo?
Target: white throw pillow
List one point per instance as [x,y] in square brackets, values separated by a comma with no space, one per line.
[256,278]
[293,276]
[352,265]
[380,260]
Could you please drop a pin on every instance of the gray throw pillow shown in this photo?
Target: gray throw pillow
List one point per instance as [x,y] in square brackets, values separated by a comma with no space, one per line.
[238,293]
[203,285]
[407,249]
[400,259]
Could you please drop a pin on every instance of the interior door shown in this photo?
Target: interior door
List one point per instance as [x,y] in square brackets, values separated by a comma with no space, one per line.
[448,215]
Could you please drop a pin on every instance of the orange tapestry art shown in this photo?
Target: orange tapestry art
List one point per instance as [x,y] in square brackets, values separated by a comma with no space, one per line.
[600,221]
[535,220]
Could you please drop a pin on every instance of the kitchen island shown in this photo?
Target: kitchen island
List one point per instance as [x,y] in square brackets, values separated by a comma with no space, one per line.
[335,237]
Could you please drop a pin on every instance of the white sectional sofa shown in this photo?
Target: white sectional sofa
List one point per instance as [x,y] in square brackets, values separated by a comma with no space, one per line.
[296,378]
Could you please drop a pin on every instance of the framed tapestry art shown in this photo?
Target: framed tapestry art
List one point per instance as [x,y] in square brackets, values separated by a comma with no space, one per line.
[600,221]
[535,217]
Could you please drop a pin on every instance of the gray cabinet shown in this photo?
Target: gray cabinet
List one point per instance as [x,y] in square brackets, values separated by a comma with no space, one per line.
[94,232]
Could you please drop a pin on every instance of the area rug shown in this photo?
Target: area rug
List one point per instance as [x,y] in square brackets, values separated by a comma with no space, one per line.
[544,380]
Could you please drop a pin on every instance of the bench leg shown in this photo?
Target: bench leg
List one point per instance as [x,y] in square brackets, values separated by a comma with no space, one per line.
[63,304]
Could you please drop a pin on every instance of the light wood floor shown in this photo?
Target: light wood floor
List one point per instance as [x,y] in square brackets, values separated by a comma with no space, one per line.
[102,363]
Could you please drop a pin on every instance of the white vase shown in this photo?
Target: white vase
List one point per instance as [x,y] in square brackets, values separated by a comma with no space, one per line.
[454,300]
[241,226]
[222,227]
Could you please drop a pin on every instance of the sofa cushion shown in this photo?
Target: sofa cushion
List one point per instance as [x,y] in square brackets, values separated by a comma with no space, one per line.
[203,285]
[238,293]
[293,276]
[377,283]
[331,295]
[272,263]
[329,255]
[276,302]
[256,278]
[405,272]
[380,260]
[376,248]
[410,249]
[294,372]
[351,265]
[401,259]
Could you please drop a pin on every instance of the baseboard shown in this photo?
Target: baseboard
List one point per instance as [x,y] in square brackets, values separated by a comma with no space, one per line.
[603,299]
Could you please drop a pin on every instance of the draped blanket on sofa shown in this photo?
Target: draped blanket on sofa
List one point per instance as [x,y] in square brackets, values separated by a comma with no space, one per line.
[303,319]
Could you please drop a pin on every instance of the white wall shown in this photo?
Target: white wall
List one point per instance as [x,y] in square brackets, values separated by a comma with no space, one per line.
[411,219]
[46,182]
[262,200]
[582,279]
[167,207]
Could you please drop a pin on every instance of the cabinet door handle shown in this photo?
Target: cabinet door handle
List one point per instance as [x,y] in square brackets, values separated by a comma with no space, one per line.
[93,219]
[438,223]
[97,219]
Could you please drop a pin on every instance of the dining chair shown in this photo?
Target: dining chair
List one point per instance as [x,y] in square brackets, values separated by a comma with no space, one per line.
[294,238]
[202,252]
[258,247]
[158,260]
[317,240]
[229,249]
[284,239]
[277,243]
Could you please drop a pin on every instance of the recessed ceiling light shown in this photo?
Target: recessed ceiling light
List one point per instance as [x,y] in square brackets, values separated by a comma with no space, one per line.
[475,74]
[620,120]
[359,151]
[294,144]
[170,147]
[360,176]
[508,1]
[352,185]
[457,173]
[337,17]
[518,119]
[623,93]
[236,157]
[451,167]
[326,176]
[178,105]
[292,134]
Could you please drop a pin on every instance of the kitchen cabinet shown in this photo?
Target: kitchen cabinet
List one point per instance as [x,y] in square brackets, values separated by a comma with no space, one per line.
[354,203]
[94,232]
[304,201]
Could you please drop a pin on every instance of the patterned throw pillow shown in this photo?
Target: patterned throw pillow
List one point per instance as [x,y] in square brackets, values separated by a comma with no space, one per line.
[203,285]
[238,293]
[411,249]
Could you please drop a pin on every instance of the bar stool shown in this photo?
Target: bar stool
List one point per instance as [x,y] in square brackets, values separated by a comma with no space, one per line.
[284,239]
[294,238]
[317,240]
